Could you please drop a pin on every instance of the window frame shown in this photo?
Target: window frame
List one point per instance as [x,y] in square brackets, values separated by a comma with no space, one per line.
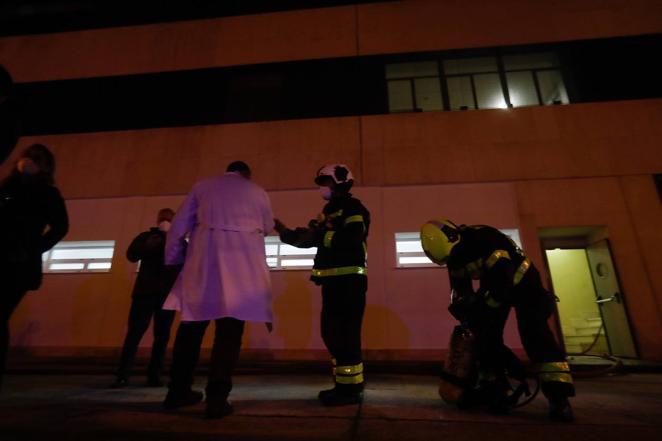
[409,236]
[501,71]
[293,257]
[78,245]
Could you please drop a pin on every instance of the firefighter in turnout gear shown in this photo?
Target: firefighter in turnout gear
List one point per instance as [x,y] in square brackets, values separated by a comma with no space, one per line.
[507,279]
[339,233]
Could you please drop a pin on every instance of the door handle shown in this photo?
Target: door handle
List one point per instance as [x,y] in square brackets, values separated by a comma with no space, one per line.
[615,298]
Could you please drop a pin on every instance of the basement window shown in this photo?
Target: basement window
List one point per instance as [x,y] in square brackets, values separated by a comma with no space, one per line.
[93,256]
[409,251]
[281,256]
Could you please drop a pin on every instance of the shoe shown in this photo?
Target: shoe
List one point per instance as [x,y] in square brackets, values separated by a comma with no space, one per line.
[175,400]
[326,393]
[218,409]
[154,382]
[334,398]
[561,411]
[119,383]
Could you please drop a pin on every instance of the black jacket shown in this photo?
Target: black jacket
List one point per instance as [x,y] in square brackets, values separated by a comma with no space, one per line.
[33,218]
[154,277]
[340,236]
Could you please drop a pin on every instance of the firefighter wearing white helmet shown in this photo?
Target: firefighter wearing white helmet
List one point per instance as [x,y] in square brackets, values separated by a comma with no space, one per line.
[507,279]
[340,233]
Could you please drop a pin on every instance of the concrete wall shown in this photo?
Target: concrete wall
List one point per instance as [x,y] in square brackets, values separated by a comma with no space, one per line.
[406,307]
[574,165]
[582,140]
[406,313]
[403,26]
[528,168]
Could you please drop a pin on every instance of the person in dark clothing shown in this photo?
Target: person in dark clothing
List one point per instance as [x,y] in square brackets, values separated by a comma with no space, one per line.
[9,115]
[33,218]
[507,279]
[153,284]
[340,233]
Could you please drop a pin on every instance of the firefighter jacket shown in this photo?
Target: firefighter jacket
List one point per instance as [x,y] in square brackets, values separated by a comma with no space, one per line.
[486,254]
[340,234]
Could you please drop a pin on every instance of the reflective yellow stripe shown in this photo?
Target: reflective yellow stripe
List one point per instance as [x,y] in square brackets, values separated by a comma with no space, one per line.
[355,218]
[342,271]
[495,256]
[560,377]
[554,371]
[523,268]
[553,366]
[350,370]
[328,237]
[355,379]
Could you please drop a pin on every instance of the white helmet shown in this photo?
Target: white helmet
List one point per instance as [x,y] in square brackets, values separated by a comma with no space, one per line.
[340,173]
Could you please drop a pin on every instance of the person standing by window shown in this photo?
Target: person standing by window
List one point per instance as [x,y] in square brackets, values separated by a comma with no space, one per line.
[154,281]
[225,278]
[33,218]
[340,234]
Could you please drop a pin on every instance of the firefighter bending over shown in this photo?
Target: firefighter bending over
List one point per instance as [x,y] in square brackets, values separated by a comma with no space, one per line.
[339,233]
[507,279]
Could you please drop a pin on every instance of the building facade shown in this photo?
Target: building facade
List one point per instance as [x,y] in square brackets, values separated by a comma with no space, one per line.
[541,118]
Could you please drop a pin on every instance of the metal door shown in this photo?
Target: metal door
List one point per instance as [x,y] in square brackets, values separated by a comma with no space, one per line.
[610,300]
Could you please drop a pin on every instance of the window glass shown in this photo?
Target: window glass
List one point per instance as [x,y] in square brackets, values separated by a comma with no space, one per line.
[281,256]
[79,257]
[488,92]
[428,94]
[470,65]
[522,89]
[552,89]
[410,254]
[459,93]
[530,61]
[400,98]
[412,70]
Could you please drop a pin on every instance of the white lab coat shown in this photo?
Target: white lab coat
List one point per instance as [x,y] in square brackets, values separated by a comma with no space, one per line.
[225,273]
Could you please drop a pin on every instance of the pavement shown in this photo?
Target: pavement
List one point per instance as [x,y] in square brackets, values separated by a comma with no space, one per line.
[284,407]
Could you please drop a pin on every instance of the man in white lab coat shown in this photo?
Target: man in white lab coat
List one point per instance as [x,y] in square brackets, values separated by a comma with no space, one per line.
[218,233]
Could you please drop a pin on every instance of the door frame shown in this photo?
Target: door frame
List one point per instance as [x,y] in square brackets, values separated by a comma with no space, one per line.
[580,238]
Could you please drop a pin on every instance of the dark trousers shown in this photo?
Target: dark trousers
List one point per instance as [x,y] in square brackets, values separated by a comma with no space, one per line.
[143,309]
[343,305]
[533,306]
[10,297]
[224,356]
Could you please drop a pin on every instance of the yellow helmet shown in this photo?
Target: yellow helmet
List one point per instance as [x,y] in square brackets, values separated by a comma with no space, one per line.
[438,237]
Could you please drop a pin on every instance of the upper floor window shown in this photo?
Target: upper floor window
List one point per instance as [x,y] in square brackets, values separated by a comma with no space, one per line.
[489,82]
[474,83]
[79,257]
[414,86]
[534,79]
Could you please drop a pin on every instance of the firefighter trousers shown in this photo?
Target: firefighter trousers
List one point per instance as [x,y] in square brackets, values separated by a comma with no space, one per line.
[343,305]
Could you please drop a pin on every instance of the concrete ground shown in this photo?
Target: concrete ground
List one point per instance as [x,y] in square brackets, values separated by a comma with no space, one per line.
[284,407]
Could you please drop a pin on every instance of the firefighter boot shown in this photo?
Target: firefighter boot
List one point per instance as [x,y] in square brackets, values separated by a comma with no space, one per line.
[342,395]
[557,393]
[560,410]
